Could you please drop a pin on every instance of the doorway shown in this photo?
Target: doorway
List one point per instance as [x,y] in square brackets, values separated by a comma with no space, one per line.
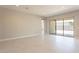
[42,25]
[62,27]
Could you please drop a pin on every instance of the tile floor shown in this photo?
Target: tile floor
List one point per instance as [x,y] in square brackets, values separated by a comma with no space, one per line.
[44,43]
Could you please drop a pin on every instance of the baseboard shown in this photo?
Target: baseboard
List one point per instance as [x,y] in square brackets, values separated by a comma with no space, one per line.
[25,36]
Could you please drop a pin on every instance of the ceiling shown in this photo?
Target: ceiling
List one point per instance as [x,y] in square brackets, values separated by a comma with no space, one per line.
[43,10]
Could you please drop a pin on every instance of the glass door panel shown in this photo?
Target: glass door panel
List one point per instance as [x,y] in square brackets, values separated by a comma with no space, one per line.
[68,27]
[52,26]
[59,27]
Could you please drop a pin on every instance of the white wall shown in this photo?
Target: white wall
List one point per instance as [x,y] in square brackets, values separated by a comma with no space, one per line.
[15,24]
[1,27]
[74,15]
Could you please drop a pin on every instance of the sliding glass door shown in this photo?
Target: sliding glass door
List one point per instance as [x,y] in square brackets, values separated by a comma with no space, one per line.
[61,27]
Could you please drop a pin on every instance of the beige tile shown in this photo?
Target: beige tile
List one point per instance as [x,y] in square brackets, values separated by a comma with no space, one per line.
[47,43]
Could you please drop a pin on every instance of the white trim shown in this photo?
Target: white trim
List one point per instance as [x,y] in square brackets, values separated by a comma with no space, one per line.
[19,37]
